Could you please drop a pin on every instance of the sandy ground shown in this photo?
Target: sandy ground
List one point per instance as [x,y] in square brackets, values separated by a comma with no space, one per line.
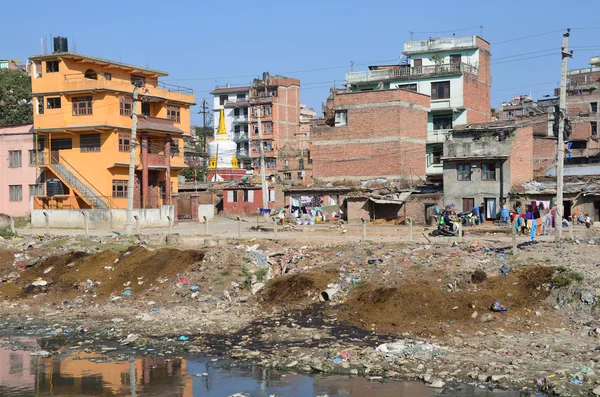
[261,298]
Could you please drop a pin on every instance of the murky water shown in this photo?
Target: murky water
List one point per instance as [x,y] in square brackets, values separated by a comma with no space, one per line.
[76,373]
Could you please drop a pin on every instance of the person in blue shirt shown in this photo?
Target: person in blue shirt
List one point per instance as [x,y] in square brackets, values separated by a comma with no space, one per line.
[475,213]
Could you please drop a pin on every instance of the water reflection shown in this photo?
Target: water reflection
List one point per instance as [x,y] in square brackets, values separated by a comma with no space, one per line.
[77,373]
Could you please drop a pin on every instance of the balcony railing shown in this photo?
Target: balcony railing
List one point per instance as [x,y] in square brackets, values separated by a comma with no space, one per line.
[438,135]
[241,137]
[410,73]
[236,100]
[591,69]
[241,119]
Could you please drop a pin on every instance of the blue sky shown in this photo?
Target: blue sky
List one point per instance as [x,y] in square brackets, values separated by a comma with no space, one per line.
[206,43]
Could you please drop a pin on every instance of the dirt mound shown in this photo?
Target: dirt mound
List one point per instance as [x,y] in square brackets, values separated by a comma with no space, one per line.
[425,307]
[297,289]
[103,273]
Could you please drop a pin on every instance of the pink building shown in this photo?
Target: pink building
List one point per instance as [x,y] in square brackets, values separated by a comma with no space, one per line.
[18,175]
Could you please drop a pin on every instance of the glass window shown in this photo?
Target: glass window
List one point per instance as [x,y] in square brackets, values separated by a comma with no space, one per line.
[52,66]
[223,99]
[341,118]
[463,172]
[53,103]
[442,122]
[174,113]
[139,80]
[89,142]
[440,90]
[119,188]
[268,110]
[15,193]
[124,142]
[36,190]
[125,106]
[82,106]
[14,158]
[488,172]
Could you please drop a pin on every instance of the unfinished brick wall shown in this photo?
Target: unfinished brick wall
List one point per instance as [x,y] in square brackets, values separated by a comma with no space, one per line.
[544,153]
[357,208]
[417,204]
[476,89]
[521,156]
[385,137]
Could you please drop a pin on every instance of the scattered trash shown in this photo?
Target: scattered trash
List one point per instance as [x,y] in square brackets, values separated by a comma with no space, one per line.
[127,292]
[498,307]
[505,269]
[577,382]
[48,270]
[117,320]
[39,283]
[130,339]
[182,279]
[183,338]
[41,353]
[337,360]
[194,288]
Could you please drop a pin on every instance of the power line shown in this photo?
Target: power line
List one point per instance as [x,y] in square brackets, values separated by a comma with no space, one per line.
[528,37]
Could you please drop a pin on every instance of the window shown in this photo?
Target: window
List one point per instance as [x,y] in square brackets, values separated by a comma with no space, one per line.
[287,176]
[107,76]
[91,74]
[124,142]
[89,142]
[14,158]
[455,58]
[271,195]
[241,97]
[32,158]
[234,196]
[578,144]
[410,87]
[125,106]
[146,109]
[437,155]
[440,90]
[174,113]
[138,80]
[341,118]
[463,172]
[442,122]
[268,111]
[119,188]
[61,144]
[594,107]
[223,99]
[488,172]
[245,196]
[40,105]
[51,66]
[15,193]
[53,103]
[236,111]
[509,114]
[268,128]
[594,125]
[82,105]
[237,129]
[418,63]
[246,112]
[301,175]
[36,190]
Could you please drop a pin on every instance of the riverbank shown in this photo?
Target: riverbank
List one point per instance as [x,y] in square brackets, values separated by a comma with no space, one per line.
[261,300]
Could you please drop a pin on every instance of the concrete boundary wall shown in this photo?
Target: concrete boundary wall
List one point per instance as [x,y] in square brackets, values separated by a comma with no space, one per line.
[101,219]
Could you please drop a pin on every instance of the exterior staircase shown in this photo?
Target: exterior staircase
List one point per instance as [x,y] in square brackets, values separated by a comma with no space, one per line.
[84,191]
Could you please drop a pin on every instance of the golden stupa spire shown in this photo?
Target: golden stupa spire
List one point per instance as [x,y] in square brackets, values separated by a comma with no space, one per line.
[222,129]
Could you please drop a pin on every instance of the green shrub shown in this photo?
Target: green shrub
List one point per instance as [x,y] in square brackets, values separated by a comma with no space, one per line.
[564,278]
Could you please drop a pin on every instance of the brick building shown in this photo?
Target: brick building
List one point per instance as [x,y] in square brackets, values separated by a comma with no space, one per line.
[454,71]
[372,134]
[240,200]
[483,161]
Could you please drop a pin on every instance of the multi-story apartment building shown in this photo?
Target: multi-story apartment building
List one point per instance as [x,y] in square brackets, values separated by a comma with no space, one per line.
[82,118]
[277,98]
[454,71]
[234,100]
[19,180]
[524,105]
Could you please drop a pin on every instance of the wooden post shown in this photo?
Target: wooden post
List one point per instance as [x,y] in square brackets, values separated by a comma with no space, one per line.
[205,225]
[514,234]
[364,229]
[409,222]
[170,224]
[239,227]
[47,221]
[275,228]
[137,224]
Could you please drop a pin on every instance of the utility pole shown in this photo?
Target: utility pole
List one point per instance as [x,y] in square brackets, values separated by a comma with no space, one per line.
[132,147]
[263,180]
[560,148]
[204,112]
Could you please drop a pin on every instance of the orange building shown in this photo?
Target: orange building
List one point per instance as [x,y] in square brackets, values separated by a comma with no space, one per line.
[82,120]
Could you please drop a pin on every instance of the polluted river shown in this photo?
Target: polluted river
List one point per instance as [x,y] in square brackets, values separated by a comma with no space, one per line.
[122,316]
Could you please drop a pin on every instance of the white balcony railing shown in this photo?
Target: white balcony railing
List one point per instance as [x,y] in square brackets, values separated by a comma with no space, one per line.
[438,135]
[406,73]
[241,119]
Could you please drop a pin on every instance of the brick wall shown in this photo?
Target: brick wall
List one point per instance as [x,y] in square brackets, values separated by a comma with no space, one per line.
[521,164]
[544,153]
[476,89]
[385,136]
[417,204]
[242,207]
[357,208]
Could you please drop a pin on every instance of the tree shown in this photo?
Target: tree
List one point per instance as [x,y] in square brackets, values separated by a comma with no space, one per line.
[15,97]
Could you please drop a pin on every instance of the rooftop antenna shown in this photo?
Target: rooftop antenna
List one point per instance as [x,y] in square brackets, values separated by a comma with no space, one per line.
[352,66]
[411,34]
[41,45]
[481,31]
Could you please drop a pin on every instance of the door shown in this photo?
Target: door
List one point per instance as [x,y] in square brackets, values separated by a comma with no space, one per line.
[490,208]
[596,215]
[468,204]
[567,209]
